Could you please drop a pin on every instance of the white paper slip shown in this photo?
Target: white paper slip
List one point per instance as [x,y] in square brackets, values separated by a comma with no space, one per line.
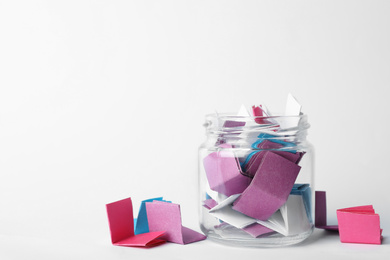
[243,112]
[276,223]
[294,215]
[293,108]
[290,219]
[228,201]
[224,212]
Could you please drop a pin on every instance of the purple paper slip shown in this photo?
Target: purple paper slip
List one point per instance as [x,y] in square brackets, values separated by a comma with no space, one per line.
[223,173]
[229,123]
[256,159]
[292,157]
[269,188]
[320,212]
[254,163]
[267,144]
[166,216]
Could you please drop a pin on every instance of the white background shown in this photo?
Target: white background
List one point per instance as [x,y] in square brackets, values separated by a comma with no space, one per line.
[103,100]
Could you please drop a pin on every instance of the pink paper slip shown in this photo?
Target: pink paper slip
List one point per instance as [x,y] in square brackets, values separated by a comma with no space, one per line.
[121,223]
[209,203]
[269,188]
[359,225]
[256,230]
[167,216]
[223,172]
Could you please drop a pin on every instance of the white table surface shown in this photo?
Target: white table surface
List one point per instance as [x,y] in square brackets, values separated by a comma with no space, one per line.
[321,245]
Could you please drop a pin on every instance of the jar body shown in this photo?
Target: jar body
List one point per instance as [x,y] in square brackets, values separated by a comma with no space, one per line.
[256,182]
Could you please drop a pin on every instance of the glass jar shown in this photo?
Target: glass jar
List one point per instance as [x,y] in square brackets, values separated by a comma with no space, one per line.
[256,180]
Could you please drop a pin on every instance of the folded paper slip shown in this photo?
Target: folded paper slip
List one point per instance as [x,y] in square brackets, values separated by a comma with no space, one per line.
[256,230]
[260,115]
[255,160]
[223,172]
[273,142]
[269,189]
[218,197]
[167,216]
[295,216]
[224,212]
[209,203]
[293,108]
[320,212]
[305,191]
[121,223]
[359,225]
[291,219]
[277,222]
[141,224]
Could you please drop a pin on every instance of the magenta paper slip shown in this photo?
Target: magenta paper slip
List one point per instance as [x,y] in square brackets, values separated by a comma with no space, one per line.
[260,115]
[256,159]
[320,212]
[166,216]
[121,223]
[269,145]
[223,172]
[254,163]
[269,188]
[359,225]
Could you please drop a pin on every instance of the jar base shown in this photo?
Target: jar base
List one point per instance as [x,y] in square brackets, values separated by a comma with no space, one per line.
[274,240]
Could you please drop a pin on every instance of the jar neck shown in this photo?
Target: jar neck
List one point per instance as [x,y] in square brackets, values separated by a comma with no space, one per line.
[226,128]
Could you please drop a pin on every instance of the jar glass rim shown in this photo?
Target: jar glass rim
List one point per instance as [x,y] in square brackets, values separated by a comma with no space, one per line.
[278,124]
[235,116]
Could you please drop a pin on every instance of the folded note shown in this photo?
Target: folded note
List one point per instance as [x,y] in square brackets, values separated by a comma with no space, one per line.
[256,230]
[141,223]
[269,188]
[320,212]
[224,212]
[255,161]
[293,111]
[120,219]
[359,225]
[290,219]
[223,172]
[167,216]
[209,203]
[305,191]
